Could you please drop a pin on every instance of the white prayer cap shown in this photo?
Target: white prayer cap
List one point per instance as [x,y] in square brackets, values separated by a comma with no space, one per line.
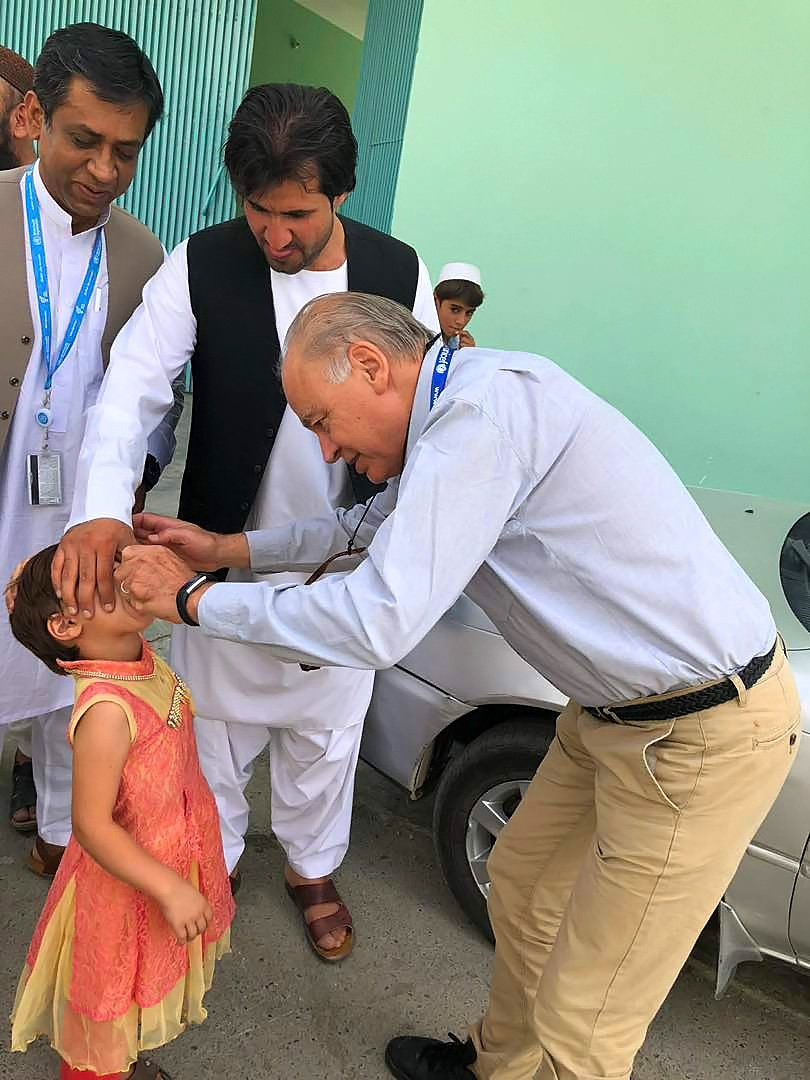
[459,271]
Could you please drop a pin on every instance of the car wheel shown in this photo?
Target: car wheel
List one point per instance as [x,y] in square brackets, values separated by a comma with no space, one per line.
[479,791]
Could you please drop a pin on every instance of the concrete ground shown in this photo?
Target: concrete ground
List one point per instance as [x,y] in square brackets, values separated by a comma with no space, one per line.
[276,1012]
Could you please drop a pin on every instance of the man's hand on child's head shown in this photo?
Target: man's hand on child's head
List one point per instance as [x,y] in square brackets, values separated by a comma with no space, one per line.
[82,570]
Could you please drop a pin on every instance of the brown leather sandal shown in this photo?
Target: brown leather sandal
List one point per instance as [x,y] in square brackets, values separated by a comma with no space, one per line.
[44,858]
[323,892]
[146,1069]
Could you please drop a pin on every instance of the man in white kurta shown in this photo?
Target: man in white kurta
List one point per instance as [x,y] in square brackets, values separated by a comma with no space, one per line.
[30,690]
[245,700]
[69,228]
[16,149]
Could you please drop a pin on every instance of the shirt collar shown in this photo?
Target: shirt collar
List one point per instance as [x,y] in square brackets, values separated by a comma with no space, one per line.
[305,273]
[54,212]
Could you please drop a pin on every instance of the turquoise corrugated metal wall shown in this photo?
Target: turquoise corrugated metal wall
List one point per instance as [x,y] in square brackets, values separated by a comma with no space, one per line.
[201,50]
[381,108]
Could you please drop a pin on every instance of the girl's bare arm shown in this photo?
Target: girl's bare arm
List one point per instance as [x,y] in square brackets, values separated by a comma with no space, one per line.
[101,744]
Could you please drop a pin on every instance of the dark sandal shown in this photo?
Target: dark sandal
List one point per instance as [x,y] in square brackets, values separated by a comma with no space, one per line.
[23,795]
[235,879]
[146,1069]
[44,858]
[323,892]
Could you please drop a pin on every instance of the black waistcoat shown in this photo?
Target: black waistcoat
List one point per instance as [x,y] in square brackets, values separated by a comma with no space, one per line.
[238,400]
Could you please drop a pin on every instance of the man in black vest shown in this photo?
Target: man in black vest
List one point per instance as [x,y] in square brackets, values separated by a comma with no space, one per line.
[224,301]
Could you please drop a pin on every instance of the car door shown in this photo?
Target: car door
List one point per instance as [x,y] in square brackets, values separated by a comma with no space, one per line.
[770,893]
[800,912]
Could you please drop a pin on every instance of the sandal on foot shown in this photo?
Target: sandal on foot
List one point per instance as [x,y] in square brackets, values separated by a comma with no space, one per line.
[146,1069]
[23,796]
[323,892]
[44,858]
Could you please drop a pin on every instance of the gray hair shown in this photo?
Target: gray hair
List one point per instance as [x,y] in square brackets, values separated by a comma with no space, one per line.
[325,327]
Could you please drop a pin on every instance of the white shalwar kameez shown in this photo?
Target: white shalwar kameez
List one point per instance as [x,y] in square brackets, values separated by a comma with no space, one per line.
[30,691]
[244,699]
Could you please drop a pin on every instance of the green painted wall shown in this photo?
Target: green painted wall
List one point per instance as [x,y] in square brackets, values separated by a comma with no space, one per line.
[327,55]
[634,180]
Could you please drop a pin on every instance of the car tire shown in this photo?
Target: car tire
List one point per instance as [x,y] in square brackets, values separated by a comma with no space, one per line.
[499,762]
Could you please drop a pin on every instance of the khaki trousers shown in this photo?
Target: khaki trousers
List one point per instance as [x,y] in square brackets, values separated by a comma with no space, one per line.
[620,850]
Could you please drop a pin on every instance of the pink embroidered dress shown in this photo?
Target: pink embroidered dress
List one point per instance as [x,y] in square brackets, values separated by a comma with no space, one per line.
[105,977]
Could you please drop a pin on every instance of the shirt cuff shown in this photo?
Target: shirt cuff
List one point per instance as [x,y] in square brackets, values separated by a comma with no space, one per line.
[264,550]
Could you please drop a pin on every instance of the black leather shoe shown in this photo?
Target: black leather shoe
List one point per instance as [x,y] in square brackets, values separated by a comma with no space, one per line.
[411,1057]
[23,796]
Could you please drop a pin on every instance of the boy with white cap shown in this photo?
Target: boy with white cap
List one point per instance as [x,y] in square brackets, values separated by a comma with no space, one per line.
[458,294]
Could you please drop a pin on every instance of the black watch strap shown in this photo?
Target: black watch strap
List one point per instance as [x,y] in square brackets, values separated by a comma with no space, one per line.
[185,591]
[151,472]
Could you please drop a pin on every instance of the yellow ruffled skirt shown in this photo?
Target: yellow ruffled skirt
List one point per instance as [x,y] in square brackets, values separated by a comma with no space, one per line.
[42,1005]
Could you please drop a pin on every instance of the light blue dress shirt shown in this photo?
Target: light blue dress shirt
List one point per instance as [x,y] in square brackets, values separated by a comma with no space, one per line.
[551,511]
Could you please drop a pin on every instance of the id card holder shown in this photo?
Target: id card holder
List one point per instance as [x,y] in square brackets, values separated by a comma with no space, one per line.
[44,472]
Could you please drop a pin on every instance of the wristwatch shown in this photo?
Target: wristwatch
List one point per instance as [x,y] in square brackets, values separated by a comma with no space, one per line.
[151,472]
[185,592]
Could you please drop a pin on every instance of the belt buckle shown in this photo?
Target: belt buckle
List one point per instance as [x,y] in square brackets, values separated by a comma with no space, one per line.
[606,713]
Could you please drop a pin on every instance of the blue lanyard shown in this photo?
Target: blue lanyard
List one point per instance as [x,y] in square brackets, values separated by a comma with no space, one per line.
[37,246]
[440,371]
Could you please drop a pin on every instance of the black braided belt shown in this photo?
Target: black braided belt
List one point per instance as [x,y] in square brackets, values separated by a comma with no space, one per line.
[682,704]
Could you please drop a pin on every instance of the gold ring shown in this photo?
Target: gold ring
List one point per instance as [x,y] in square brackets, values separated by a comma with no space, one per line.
[124,588]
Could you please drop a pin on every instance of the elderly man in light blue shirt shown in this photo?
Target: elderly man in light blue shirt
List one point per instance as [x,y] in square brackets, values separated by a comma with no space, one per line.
[510,481]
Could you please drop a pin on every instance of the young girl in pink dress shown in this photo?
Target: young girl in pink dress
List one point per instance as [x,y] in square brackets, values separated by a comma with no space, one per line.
[140,908]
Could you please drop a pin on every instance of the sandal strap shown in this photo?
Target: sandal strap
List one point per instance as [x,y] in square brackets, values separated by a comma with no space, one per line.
[320,892]
[49,855]
[339,920]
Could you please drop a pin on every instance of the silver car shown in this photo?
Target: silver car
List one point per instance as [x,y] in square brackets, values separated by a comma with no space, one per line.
[465,716]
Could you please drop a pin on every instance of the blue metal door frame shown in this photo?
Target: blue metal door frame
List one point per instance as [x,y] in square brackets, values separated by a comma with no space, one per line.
[381,108]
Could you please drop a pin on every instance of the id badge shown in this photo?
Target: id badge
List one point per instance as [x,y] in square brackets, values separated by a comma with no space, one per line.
[44,478]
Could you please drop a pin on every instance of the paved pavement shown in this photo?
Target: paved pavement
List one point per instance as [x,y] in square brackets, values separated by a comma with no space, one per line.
[275,1012]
